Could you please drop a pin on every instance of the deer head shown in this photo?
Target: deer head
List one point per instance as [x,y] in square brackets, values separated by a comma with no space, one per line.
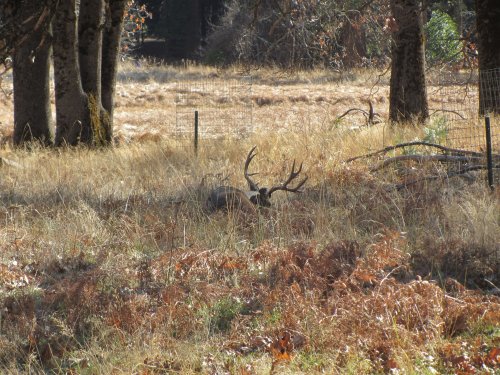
[227,197]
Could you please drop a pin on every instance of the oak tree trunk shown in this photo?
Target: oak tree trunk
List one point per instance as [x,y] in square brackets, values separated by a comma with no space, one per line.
[72,104]
[32,113]
[90,25]
[110,54]
[90,48]
[488,29]
[183,20]
[408,100]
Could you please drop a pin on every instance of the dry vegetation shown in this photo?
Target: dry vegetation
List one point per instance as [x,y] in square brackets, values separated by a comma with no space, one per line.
[109,263]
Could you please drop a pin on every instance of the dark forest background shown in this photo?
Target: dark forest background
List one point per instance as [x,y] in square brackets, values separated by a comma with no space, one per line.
[299,33]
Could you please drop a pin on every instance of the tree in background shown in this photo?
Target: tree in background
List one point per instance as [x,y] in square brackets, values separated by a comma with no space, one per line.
[31,61]
[488,30]
[86,42]
[183,24]
[78,67]
[111,48]
[408,98]
[183,27]
[443,40]
[301,34]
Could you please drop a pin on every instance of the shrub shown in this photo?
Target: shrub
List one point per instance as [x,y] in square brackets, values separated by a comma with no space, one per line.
[443,44]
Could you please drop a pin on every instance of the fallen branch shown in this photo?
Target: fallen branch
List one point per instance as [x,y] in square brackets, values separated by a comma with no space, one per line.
[418,143]
[425,158]
[448,175]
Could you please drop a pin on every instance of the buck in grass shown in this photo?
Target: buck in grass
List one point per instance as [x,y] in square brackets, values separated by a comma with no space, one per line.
[230,198]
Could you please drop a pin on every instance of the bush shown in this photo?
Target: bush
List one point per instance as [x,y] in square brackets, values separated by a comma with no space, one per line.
[443,44]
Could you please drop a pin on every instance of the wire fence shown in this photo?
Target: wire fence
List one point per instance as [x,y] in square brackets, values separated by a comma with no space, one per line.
[230,108]
[462,101]
[223,107]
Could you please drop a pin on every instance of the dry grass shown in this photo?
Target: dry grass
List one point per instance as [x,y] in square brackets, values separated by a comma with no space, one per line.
[110,265]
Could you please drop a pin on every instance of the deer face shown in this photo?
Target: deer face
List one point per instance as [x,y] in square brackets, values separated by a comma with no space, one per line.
[228,197]
[259,198]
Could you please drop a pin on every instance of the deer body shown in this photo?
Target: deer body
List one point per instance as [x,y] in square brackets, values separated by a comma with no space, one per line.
[230,198]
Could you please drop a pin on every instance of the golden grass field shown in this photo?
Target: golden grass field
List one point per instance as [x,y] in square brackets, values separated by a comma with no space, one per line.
[109,263]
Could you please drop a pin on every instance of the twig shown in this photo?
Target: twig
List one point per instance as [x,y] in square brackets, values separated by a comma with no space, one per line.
[416,143]
[424,158]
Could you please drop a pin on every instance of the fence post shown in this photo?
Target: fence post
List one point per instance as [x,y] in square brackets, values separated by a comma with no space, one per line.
[489,156]
[196,133]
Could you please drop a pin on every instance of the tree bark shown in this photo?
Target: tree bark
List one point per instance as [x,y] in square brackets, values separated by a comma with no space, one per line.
[110,54]
[90,27]
[72,104]
[408,99]
[90,48]
[32,112]
[488,29]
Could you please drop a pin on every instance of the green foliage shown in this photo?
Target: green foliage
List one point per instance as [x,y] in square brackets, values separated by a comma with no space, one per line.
[443,45]
[308,361]
[222,313]
[436,132]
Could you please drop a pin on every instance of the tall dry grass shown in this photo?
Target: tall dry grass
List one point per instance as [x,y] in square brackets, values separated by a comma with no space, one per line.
[109,263]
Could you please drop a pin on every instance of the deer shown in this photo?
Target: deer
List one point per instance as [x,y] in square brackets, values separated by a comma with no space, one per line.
[230,198]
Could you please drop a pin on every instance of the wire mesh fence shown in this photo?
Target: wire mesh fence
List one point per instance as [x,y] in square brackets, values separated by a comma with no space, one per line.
[223,107]
[489,91]
[236,107]
[461,101]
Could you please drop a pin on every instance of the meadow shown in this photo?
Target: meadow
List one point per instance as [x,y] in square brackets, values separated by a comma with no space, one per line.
[110,263]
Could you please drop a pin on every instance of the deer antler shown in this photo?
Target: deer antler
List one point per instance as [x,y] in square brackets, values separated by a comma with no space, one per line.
[253,186]
[284,186]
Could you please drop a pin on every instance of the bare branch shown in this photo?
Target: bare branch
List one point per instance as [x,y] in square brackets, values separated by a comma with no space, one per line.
[447,175]
[447,111]
[370,115]
[424,158]
[417,143]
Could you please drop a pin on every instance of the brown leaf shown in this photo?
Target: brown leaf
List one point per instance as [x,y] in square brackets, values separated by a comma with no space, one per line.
[493,357]
[282,347]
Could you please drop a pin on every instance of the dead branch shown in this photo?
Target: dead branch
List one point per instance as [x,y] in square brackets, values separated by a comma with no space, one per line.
[352,110]
[417,143]
[370,115]
[447,111]
[447,175]
[425,158]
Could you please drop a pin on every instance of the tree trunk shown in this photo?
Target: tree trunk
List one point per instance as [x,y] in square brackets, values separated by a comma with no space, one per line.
[110,53]
[408,99]
[353,39]
[90,48]
[488,29]
[90,25]
[72,104]
[183,20]
[32,113]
